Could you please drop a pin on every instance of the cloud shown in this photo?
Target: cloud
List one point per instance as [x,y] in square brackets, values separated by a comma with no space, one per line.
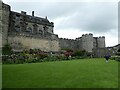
[94,17]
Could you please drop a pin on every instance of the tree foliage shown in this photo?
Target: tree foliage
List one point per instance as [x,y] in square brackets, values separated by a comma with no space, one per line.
[7,50]
[80,53]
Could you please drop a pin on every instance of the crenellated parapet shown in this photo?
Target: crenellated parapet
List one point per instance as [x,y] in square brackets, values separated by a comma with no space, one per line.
[85,35]
[68,39]
[101,37]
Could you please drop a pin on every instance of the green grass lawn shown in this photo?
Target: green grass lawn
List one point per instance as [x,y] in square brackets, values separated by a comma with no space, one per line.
[84,73]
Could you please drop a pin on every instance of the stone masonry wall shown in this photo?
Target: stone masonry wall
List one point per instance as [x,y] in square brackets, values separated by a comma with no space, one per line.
[34,43]
[87,42]
[68,43]
[101,42]
[4,21]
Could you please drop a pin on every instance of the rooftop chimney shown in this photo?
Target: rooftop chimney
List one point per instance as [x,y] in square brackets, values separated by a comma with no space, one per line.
[33,13]
[22,12]
[46,17]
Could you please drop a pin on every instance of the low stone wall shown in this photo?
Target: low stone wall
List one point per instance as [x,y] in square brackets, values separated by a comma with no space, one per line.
[34,43]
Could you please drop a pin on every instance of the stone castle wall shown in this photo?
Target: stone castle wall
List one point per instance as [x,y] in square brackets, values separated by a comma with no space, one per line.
[4,21]
[26,31]
[68,43]
[86,42]
[33,43]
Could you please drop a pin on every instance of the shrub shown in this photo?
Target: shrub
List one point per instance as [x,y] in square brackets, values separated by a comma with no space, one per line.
[117,58]
[80,53]
[7,50]
[42,55]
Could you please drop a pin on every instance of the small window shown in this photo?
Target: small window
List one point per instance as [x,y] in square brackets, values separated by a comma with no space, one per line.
[17,28]
[29,29]
[17,15]
[39,31]
[17,18]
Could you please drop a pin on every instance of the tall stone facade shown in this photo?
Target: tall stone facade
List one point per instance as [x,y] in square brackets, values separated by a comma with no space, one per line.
[4,21]
[23,31]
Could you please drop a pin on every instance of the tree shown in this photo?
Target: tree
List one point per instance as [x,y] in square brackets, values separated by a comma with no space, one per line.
[7,50]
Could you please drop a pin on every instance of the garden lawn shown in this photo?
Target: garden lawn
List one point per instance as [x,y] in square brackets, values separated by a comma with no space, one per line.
[83,73]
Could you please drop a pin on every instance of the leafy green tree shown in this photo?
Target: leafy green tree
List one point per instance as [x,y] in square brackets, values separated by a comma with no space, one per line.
[7,50]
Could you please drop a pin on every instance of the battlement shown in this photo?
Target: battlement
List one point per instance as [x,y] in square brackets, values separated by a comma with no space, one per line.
[67,39]
[101,37]
[90,34]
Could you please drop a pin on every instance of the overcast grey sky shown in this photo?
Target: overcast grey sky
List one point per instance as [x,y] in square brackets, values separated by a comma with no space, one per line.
[74,18]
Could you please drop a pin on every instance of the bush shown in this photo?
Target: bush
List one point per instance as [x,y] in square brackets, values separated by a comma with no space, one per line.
[7,50]
[117,58]
[36,55]
[80,53]
[42,55]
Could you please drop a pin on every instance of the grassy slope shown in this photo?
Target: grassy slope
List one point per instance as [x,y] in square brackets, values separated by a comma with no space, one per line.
[89,73]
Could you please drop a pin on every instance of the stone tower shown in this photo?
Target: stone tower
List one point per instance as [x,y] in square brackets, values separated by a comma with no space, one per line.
[87,42]
[4,21]
[101,42]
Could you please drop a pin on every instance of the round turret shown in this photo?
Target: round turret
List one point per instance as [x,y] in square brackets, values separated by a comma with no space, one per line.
[87,42]
[101,42]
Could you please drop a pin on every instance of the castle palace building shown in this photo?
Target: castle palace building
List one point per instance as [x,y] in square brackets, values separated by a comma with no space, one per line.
[24,31]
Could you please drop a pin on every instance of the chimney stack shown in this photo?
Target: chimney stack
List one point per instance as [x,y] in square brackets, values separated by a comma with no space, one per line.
[33,13]
[22,12]
[46,17]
